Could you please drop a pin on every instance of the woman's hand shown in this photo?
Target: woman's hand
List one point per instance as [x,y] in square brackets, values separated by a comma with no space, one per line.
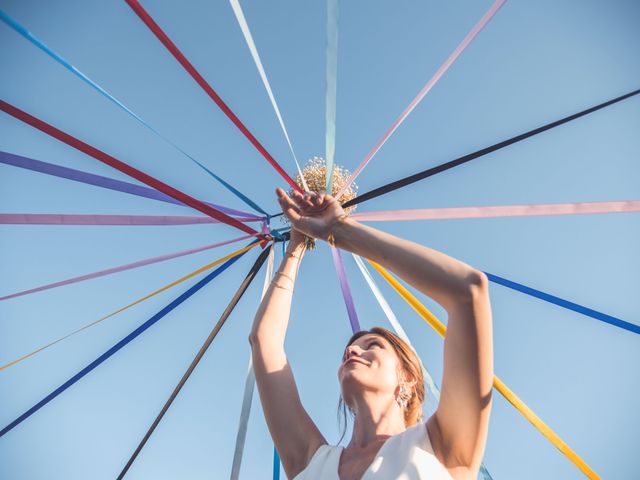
[312,214]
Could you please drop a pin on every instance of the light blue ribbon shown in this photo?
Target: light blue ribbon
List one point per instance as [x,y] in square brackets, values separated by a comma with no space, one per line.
[33,39]
[331,87]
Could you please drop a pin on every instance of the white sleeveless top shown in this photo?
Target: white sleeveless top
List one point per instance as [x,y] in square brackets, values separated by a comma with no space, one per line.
[406,456]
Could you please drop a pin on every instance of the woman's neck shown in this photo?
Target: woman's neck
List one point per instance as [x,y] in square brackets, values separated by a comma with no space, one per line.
[376,419]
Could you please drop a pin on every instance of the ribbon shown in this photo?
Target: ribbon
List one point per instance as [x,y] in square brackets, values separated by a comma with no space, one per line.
[276,464]
[131,220]
[500,211]
[123,167]
[331,90]
[166,287]
[179,56]
[115,348]
[205,346]
[603,317]
[104,182]
[62,61]
[244,26]
[429,85]
[122,268]
[511,397]
[403,182]
[346,290]
[249,385]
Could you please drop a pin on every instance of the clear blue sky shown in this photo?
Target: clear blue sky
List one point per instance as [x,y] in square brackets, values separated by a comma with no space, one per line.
[535,62]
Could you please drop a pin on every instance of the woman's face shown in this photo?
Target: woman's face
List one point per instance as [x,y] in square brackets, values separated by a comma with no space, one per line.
[369,364]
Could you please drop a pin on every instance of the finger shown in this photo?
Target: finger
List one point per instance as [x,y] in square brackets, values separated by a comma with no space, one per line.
[301,200]
[316,200]
[288,206]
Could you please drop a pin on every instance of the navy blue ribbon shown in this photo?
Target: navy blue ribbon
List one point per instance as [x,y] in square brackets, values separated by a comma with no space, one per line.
[120,344]
[603,317]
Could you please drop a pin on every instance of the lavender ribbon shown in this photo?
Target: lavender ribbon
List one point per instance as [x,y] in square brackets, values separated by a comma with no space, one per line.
[346,290]
[103,182]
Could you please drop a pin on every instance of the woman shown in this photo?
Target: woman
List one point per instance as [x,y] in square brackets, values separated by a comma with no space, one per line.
[379,377]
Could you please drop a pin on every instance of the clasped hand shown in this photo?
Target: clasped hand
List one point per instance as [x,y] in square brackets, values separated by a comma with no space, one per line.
[312,214]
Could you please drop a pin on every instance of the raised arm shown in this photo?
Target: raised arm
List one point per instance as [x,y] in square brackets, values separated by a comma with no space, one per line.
[459,427]
[294,434]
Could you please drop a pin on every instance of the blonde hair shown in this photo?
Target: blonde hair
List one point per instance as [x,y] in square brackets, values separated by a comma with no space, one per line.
[411,368]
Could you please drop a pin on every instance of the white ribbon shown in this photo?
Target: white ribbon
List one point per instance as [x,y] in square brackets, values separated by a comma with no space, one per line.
[237,10]
[247,396]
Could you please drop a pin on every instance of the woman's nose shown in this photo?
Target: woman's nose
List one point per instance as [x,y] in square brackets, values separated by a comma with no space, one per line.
[353,350]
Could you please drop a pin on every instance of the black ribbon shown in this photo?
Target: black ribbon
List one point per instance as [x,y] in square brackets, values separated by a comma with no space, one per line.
[403,182]
[232,304]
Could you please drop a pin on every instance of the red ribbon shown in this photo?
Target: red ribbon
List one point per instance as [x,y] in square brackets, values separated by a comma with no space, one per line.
[179,56]
[123,167]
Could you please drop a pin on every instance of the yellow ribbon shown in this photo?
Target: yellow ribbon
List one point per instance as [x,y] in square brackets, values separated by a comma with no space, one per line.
[166,287]
[498,384]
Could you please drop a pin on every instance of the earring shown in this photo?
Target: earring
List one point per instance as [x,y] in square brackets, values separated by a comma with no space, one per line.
[403,396]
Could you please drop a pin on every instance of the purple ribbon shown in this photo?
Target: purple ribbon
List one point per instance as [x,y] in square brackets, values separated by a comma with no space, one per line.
[104,182]
[346,290]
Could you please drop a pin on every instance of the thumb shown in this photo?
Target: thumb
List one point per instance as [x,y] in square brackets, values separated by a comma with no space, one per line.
[288,206]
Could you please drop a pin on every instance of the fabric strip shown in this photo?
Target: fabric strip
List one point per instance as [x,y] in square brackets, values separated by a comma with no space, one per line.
[146,297]
[179,56]
[104,182]
[403,182]
[123,167]
[429,85]
[500,211]
[115,348]
[244,26]
[100,219]
[511,397]
[121,220]
[122,268]
[276,464]
[331,91]
[249,384]
[203,349]
[62,61]
[603,317]
[346,290]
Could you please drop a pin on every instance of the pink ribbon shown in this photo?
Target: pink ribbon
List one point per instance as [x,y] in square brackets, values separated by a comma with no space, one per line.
[128,266]
[429,85]
[500,211]
[73,219]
